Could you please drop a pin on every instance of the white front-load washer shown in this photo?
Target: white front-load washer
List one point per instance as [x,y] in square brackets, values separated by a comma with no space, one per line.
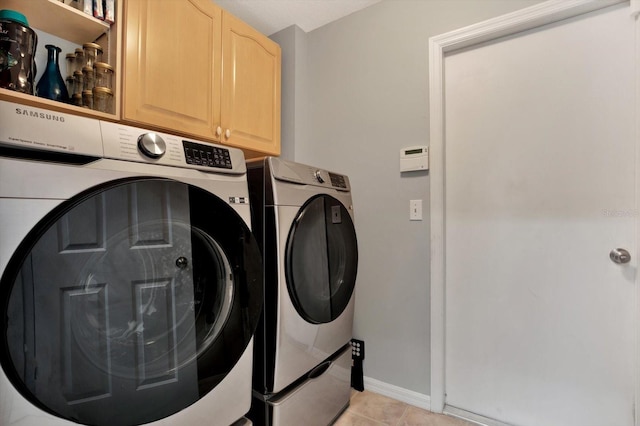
[130,282]
[304,221]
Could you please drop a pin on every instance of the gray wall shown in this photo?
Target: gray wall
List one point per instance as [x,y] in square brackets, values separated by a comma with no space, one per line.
[293,42]
[365,96]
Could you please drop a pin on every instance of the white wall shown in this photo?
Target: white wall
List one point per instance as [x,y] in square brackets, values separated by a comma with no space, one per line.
[365,97]
[41,53]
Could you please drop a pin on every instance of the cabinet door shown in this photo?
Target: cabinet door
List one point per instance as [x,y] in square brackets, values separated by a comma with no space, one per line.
[250,89]
[172,65]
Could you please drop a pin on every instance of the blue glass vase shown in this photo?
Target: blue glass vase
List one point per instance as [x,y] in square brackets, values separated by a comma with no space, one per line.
[51,85]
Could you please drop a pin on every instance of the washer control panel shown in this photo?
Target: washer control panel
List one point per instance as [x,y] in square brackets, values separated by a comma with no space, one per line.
[123,142]
[206,155]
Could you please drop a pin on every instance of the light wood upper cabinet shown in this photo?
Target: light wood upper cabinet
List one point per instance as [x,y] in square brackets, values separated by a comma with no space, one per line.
[250,88]
[190,67]
[172,65]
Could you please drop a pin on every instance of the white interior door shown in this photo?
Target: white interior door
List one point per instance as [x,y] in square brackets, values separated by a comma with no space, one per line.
[540,185]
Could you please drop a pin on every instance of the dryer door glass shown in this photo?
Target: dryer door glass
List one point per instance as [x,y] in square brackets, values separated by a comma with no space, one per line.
[130,302]
[321,259]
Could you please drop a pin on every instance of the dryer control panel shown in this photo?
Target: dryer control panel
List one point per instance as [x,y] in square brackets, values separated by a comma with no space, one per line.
[339,181]
[306,175]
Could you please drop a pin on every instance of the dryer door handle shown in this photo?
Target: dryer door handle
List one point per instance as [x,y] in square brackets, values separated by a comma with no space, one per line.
[319,370]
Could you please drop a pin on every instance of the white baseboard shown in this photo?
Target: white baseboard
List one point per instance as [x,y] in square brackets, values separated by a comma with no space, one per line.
[471,417]
[396,392]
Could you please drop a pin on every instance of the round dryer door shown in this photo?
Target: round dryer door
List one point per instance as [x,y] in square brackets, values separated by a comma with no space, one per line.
[321,259]
[129,302]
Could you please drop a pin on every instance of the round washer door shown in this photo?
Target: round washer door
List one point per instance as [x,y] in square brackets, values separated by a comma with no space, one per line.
[321,259]
[129,302]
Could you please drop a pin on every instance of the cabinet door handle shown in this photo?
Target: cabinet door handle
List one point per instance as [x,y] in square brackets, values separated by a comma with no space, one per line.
[227,133]
[218,131]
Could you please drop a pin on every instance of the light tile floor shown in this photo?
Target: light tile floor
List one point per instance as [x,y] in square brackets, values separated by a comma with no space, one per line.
[371,409]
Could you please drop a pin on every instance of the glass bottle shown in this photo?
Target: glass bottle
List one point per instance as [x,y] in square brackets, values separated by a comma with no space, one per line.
[51,85]
[71,64]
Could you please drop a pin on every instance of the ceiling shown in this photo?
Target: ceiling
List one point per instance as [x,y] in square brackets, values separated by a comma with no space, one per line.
[271,16]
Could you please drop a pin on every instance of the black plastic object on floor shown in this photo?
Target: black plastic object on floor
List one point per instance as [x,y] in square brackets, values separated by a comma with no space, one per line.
[357,355]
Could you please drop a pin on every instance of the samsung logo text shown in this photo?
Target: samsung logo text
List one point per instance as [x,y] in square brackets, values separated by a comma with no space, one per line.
[40,115]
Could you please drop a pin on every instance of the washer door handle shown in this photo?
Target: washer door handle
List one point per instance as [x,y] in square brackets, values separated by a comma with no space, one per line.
[182,262]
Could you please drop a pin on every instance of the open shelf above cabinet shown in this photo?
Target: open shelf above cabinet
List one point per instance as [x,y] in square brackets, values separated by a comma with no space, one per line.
[54,17]
[34,101]
[65,22]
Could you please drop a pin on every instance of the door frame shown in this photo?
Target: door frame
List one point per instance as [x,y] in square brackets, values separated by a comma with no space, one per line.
[509,24]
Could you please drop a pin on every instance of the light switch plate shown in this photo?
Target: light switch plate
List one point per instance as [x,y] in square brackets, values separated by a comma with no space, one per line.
[415,209]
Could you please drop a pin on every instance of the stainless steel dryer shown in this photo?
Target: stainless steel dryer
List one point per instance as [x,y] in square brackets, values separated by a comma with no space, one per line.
[131,284]
[303,220]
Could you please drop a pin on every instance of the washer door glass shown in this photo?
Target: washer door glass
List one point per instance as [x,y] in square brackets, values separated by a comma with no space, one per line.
[129,303]
[321,259]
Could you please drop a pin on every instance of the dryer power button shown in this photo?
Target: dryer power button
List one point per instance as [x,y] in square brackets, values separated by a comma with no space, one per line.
[152,145]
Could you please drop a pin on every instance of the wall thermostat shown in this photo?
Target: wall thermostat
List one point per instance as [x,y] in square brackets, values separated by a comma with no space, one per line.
[414,158]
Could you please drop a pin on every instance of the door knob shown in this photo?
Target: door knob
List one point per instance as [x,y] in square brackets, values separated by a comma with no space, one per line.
[620,255]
